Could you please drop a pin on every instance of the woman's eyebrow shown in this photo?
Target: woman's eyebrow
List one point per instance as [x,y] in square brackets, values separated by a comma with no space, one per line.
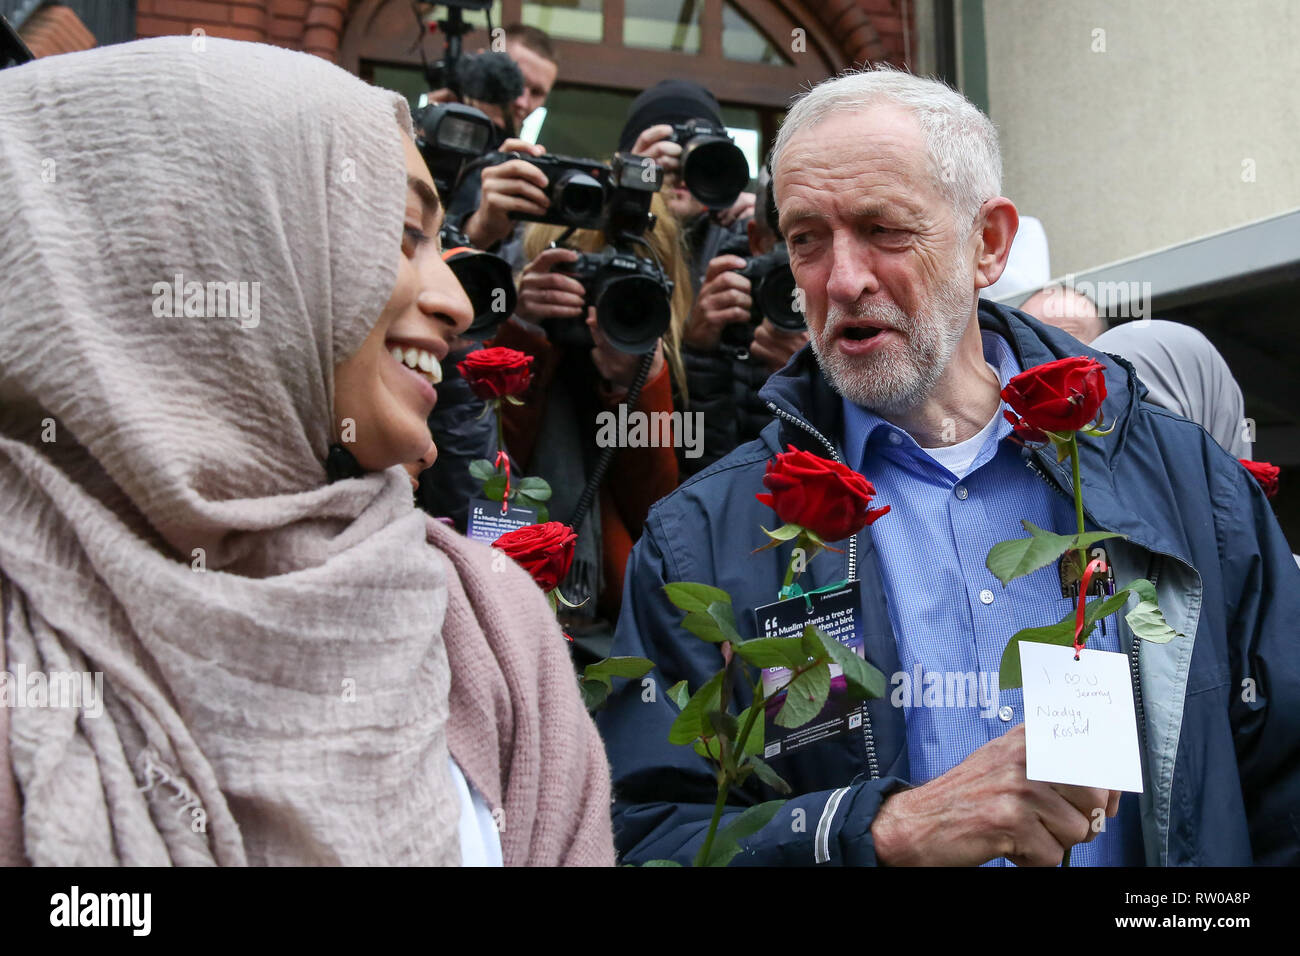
[428,197]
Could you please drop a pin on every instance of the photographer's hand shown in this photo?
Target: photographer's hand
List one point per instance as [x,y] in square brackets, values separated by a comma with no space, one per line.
[742,208]
[544,294]
[656,142]
[615,367]
[724,298]
[513,186]
[773,347]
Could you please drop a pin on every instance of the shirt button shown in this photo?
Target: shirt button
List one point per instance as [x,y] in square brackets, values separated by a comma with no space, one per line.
[895,439]
[961,492]
[1005,713]
[986,596]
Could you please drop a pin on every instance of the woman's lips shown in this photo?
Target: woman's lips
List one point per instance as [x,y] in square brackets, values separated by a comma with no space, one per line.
[421,380]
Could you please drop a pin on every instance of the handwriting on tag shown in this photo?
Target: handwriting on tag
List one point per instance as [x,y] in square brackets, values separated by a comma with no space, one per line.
[1080,726]
[487,523]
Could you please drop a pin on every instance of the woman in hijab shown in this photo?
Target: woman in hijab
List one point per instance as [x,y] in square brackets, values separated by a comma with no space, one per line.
[220,272]
[1184,373]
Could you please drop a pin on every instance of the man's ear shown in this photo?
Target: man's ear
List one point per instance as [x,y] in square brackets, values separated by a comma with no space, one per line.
[995,226]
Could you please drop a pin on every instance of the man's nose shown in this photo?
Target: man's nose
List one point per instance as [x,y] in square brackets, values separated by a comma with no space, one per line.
[852,273]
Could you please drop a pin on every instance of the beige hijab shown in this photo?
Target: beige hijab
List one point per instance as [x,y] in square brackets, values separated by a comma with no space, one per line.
[274,679]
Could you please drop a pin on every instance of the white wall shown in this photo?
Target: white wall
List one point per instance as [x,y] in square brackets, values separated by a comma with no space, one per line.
[1144,143]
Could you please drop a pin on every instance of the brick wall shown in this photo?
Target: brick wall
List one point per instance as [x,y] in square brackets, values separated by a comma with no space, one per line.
[314,26]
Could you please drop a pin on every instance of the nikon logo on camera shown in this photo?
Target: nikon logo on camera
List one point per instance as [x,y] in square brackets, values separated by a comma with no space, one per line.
[634,429]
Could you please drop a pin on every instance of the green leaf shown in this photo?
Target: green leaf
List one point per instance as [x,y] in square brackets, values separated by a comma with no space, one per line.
[723,724]
[863,679]
[783,533]
[692,596]
[661,863]
[725,618]
[768,775]
[543,514]
[679,694]
[1146,620]
[535,488]
[705,747]
[704,626]
[805,696]
[494,487]
[1061,633]
[594,693]
[812,644]
[727,843]
[772,652]
[629,667]
[480,469]
[512,400]
[754,742]
[690,722]
[1009,560]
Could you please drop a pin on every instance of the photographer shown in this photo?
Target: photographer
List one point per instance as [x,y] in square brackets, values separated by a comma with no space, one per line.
[577,374]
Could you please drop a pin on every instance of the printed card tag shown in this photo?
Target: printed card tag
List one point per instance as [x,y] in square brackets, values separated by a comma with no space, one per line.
[487,523]
[836,614]
[1080,725]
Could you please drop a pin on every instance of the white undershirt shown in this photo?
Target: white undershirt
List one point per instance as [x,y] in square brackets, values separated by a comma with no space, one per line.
[480,841]
[959,457]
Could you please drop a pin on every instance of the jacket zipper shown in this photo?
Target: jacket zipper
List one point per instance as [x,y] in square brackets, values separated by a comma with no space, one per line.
[873,766]
[1134,650]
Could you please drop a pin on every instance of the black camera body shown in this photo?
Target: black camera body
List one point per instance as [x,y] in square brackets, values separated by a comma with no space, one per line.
[449,135]
[772,286]
[632,296]
[575,188]
[713,167]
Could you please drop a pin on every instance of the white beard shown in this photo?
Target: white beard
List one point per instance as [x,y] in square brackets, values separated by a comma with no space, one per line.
[895,379]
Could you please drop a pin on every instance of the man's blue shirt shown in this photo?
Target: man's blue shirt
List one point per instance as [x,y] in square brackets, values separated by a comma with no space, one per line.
[951,617]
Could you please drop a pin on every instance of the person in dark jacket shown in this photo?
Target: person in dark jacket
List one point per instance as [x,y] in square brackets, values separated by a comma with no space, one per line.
[889,248]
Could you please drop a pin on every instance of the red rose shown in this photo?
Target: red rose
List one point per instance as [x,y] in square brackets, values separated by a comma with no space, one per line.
[830,500]
[543,550]
[1061,396]
[496,373]
[1265,474]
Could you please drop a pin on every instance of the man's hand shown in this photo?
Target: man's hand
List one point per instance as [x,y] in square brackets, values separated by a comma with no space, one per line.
[616,367]
[656,142]
[514,186]
[773,347]
[985,808]
[723,299]
[544,294]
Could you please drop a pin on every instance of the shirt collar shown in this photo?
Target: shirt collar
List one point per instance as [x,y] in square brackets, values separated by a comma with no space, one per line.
[862,426]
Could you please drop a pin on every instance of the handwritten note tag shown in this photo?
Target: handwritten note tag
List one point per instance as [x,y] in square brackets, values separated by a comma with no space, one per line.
[1080,727]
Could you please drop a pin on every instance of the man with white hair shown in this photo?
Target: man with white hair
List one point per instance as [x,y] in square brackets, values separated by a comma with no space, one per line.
[888,188]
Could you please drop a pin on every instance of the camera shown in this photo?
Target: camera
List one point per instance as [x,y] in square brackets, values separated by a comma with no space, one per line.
[575,188]
[448,136]
[772,285]
[713,167]
[487,281]
[631,295]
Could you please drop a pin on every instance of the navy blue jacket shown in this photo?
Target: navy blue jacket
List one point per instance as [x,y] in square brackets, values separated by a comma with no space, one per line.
[1219,714]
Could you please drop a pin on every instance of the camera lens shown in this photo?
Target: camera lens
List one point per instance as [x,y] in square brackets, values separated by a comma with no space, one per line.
[489,286]
[775,296]
[578,199]
[633,312]
[715,170]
